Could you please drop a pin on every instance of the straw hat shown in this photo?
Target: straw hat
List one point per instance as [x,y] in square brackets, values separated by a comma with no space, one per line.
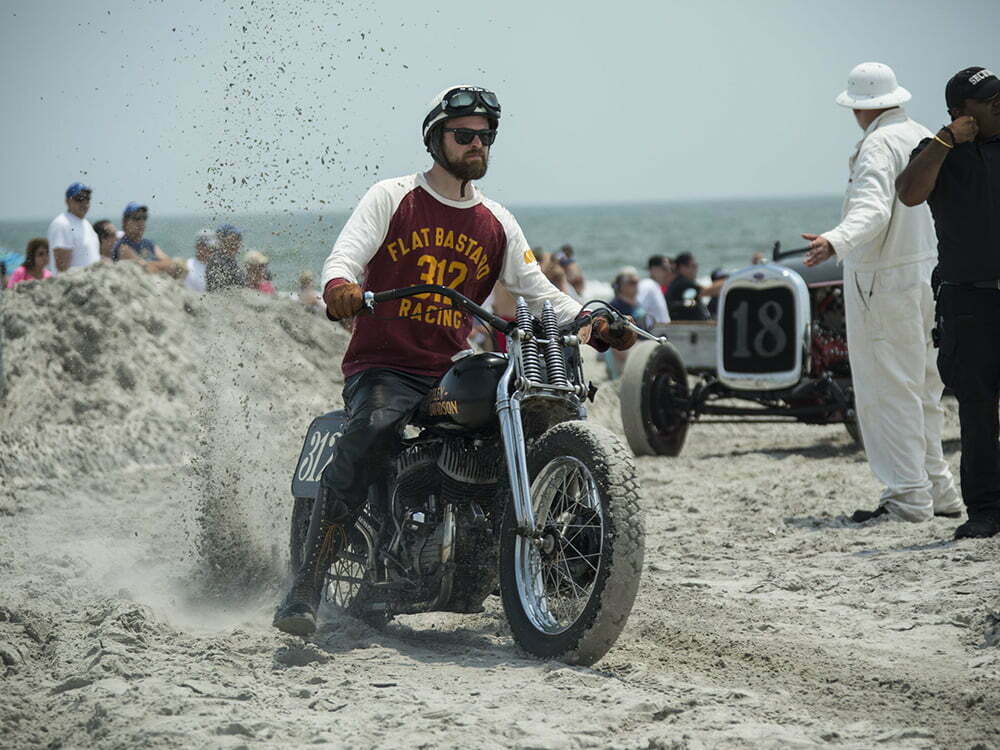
[255,258]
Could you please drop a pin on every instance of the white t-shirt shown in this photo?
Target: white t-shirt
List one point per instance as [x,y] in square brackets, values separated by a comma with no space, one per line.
[650,298]
[195,280]
[76,234]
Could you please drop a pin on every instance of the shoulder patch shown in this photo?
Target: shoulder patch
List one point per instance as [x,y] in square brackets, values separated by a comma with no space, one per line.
[529,257]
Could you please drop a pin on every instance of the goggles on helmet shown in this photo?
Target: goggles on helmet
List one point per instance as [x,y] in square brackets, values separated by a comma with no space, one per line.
[462,101]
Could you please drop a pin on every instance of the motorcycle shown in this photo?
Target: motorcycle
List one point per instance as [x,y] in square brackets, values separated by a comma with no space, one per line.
[498,481]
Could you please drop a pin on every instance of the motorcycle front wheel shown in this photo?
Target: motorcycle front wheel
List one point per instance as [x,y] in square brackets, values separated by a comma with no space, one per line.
[568,589]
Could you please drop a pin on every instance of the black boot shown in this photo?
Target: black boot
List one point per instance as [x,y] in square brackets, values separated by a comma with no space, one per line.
[861,516]
[297,613]
[979,526]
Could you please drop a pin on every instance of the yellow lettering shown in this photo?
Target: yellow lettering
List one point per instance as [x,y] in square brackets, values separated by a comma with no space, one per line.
[391,247]
[477,255]
[438,236]
[403,249]
[482,271]
[460,244]
[449,240]
[404,308]
[429,314]
[415,240]
[426,232]
[417,309]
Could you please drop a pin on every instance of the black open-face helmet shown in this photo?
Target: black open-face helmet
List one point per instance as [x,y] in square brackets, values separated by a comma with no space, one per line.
[457,101]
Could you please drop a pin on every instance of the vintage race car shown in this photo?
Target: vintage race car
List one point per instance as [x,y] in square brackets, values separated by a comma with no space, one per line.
[777,353]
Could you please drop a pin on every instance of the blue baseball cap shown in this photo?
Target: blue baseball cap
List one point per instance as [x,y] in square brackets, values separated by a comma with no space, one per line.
[76,188]
[133,207]
[229,230]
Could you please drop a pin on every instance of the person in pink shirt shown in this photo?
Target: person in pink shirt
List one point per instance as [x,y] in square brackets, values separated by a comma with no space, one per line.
[36,258]
[256,263]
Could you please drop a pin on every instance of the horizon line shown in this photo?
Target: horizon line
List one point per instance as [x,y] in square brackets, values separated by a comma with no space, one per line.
[326,210]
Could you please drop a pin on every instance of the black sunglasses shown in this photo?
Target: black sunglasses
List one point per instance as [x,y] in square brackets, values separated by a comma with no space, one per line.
[464,136]
[81,198]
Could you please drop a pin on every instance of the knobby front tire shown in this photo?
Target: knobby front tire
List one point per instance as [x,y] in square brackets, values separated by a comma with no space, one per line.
[568,594]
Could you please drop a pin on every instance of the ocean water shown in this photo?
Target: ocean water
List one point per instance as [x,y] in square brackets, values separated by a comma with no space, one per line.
[721,233]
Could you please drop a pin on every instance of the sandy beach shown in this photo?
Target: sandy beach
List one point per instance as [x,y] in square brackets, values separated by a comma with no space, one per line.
[147,440]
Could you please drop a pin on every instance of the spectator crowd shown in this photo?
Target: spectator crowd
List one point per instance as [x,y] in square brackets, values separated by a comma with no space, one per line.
[218,261]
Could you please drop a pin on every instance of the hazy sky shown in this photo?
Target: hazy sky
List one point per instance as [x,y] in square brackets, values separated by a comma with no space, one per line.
[287,105]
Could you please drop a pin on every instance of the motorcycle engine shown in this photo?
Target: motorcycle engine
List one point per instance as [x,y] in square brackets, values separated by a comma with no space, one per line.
[436,478]
[423,539]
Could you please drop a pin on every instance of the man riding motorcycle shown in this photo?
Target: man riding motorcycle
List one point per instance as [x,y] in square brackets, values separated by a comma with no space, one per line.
[427,228]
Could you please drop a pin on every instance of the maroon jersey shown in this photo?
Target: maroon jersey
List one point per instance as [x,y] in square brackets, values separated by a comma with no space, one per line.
[402,234]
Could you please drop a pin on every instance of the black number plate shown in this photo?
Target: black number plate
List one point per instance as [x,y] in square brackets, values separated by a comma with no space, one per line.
[759,332]
[317,451]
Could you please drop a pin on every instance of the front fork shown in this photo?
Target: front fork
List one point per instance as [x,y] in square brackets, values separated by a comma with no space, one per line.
[512,432]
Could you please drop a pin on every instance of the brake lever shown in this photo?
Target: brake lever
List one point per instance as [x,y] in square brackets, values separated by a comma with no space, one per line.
[626,323]
[368,300]
[643,334]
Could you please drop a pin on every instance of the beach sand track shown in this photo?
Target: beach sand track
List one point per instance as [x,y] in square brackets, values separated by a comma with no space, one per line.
[763,618]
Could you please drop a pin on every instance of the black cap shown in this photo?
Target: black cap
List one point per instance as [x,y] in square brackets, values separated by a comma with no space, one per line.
[971,83]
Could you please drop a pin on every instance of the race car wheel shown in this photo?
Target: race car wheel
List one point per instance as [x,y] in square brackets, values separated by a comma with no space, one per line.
[654,387]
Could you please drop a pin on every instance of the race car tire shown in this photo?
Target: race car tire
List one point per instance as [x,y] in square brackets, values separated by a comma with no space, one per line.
[653,378]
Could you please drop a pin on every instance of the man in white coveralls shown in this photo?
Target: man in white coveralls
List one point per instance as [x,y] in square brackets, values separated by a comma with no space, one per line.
[889,251]
[427,228]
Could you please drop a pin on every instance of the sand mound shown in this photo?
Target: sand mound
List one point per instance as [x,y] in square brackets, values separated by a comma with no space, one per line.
[113,370]
[111,367]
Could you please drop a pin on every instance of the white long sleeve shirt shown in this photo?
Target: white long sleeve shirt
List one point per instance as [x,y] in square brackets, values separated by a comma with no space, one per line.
[652,300]
[877,231]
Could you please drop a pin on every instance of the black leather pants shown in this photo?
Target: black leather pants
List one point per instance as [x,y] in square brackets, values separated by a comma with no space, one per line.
[379,403]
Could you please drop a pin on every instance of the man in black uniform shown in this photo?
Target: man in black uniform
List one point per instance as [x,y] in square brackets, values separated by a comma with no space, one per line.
[958,173]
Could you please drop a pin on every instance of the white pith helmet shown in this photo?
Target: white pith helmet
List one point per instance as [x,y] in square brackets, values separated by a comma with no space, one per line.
[872,85]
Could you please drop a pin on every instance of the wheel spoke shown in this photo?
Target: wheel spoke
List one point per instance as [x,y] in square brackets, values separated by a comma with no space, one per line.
[581,527]
[580,555]
[571,526]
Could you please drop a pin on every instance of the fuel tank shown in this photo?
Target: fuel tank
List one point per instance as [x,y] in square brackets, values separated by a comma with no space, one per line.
[466,396]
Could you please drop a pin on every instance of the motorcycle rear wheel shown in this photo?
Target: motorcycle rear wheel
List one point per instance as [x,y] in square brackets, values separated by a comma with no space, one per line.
[345,590]
[568,592]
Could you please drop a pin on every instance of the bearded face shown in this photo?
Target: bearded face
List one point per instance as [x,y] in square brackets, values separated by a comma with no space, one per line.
[468,162]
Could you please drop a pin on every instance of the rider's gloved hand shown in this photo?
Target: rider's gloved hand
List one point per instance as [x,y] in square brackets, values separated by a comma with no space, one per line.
[342,300]
[615,335]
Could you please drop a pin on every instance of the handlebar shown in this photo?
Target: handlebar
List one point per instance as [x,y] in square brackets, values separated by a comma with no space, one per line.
[463,302]
[613,317]
[616,320]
